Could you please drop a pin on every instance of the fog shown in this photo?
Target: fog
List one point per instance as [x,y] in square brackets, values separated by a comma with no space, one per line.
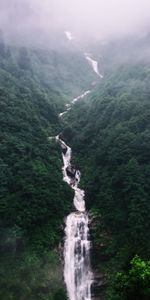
[99,19]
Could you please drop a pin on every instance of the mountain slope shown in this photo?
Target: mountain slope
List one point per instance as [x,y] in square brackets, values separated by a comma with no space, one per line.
[112,142]
[34,87]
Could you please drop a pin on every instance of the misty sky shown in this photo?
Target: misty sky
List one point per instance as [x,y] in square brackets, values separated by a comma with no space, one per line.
[102,19]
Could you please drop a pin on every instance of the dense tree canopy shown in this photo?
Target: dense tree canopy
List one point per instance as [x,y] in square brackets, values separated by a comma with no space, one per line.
[34,87]
[110,132]
[133,283]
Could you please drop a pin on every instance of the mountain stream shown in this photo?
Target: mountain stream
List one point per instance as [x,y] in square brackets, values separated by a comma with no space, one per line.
[77,270]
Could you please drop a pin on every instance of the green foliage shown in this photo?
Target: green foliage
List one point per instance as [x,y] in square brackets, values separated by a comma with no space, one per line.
[134,283]
[33,197]
[32,277]
[110,134]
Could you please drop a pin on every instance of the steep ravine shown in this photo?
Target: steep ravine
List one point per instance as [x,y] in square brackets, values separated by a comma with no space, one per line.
[80,281]
[77,270]
[78,275]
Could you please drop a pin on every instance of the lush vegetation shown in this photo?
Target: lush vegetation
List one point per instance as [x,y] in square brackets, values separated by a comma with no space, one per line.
[132,283]
[110,132]
[33,197]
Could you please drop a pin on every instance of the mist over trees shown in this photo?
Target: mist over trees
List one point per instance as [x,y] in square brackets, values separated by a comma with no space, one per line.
[109,132]
[112,150]
[34,199]
[41,23]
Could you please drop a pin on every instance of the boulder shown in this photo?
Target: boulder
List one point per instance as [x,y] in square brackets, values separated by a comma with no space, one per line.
[64,148]
[71,171]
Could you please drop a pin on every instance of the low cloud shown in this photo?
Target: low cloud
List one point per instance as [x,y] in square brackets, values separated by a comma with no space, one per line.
[100,19]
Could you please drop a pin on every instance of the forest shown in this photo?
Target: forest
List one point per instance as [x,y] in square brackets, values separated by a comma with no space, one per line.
[34,199]
[109,132]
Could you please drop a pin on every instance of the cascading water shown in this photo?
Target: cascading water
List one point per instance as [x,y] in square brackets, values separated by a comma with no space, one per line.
[93,63]
[69,105]
[77,271]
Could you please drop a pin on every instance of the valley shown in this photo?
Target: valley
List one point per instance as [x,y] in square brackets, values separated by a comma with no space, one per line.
[62,234]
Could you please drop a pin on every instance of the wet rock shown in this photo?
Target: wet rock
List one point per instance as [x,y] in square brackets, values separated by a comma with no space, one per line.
[71,171]
[98,286]
[64,148]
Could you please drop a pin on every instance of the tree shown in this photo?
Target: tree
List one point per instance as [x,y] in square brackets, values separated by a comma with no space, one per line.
[133,284]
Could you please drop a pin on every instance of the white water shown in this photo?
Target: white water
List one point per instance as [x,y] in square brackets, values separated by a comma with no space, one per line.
[69,35]
[69,105]
[77,257]
[93,63]
[77,272]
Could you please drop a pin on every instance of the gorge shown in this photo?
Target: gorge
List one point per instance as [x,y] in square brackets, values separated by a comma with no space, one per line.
[77,267]
[46,250]
[77,271]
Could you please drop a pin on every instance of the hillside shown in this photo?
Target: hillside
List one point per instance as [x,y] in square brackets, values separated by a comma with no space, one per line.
[110,136]
[109,133]
[34,87]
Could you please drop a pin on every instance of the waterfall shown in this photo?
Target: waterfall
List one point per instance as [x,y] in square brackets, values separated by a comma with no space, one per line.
[77,271]
[78,276]
[93,63]
[69,105]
